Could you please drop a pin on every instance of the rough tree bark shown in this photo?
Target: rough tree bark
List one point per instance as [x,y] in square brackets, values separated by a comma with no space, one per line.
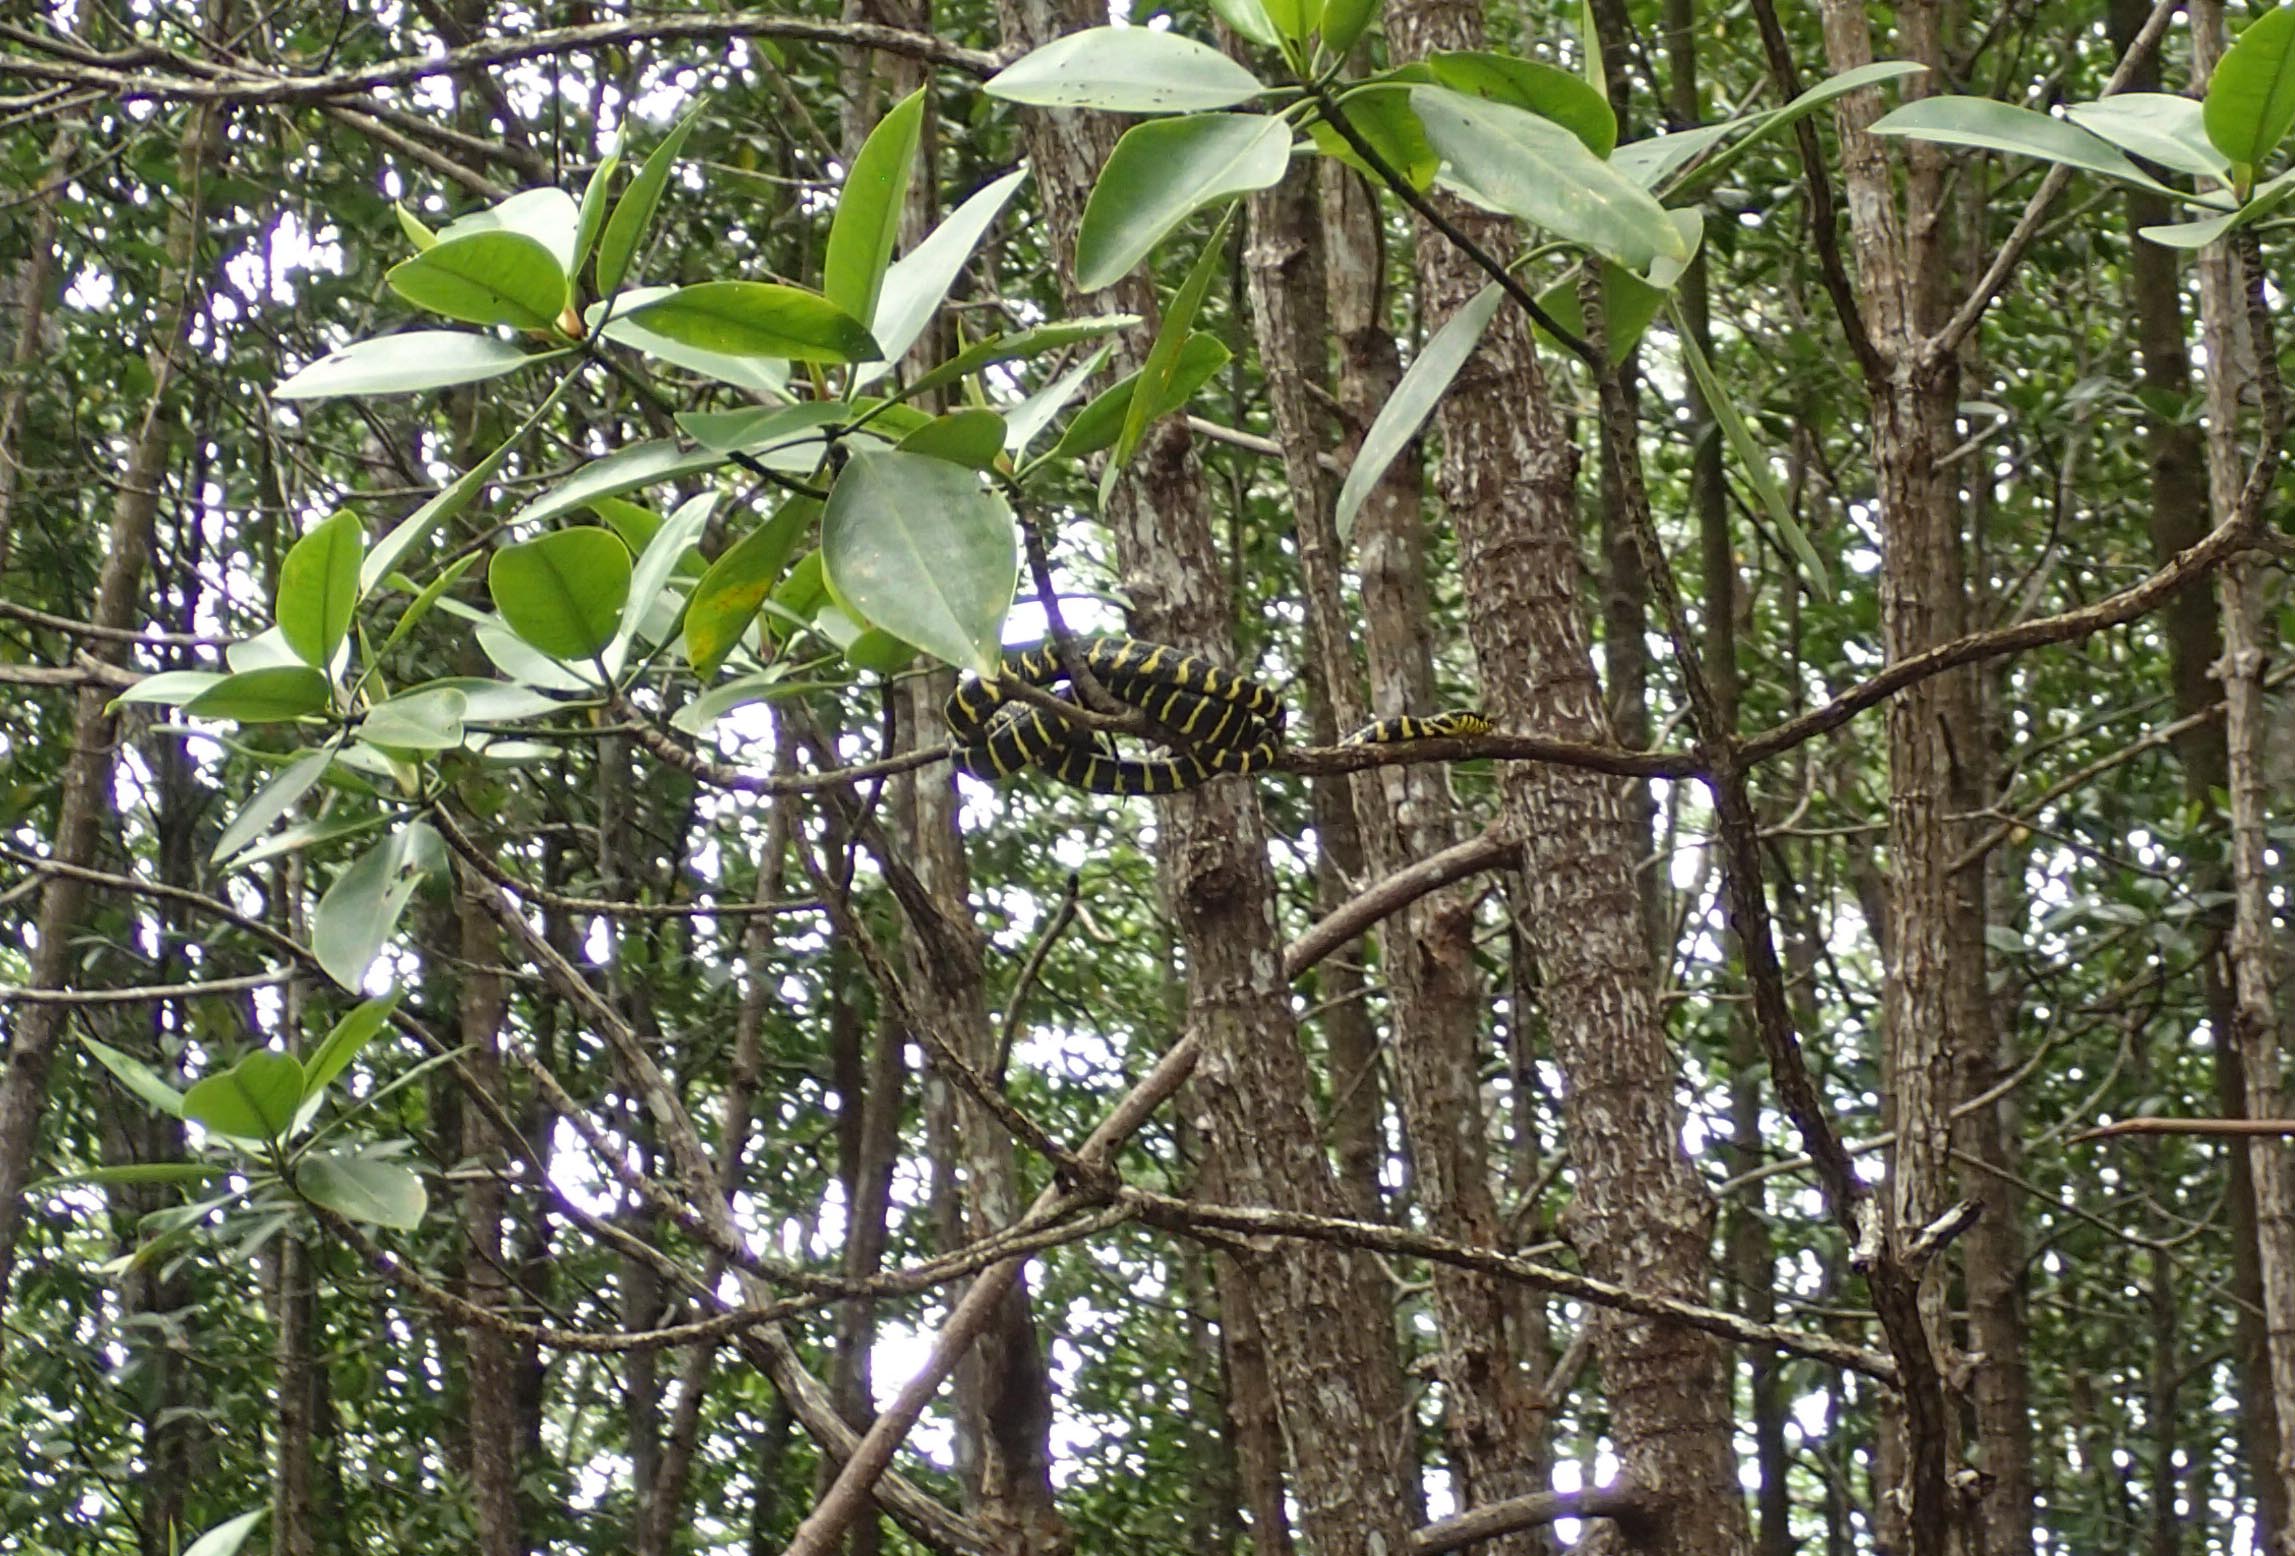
[1435,995]
[1639,1215]
[2179,516]
[1322,1310]
[86,793]
[490,1355]
[1903,272]
[2242,356]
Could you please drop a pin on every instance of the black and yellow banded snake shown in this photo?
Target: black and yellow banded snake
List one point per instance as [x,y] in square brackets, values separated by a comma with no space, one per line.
[1228,722]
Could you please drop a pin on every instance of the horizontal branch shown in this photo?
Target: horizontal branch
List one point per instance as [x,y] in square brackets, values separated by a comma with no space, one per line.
[156,75]
[1493,1519]
[2188,1126]
[1393,893]
[2179,572]
[1187,1215]
[143,993]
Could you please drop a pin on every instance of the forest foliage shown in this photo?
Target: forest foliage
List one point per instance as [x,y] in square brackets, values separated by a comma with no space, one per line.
[518,1038]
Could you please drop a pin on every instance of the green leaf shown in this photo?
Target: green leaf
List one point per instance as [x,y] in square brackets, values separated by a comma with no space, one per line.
[305,834]
[2250,102]
[1032,415]
[593,215]
[1101,421]
[412,225]
[319,587]
[1750,457]
[564,591]
[1545,90]
[2199,234]
[253,1100]
[1164,171]
[1344,21]
[528,666]
[138,1077]
[274,800]
[726,599]
[797,597]
[700,715]
[1648,161]
[1127,70]
[406,363]
[172,687]
[549,216]
[2158,126]
[1993,126]
[759,319]
[869,209]
[624,470]
[421,605]
[1293,19]
[1533,169]
[360,910]
[359,1189]
[865,647]
[923,550]
[415,528]
[1381,114]
[1021,344]
[1419,390]
[1249,18]
[266,650]
[971,437]
[429,719]
[761,376]
[918,282]
[633,213]
[269,695]
[485,278]
[342,1045]
[649,580]
[1161,368]
[758,429]
[226,1537]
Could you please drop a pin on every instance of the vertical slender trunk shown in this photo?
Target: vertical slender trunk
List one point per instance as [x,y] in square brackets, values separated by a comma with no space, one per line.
[657,1537]
[2179,516]
[1435,993]
[25,305]
[2236,358]
[1322,1310]
[85,804]
[1010,1388]
[1214,1518]
[1904,271]
[489,1354]
[1639,1215]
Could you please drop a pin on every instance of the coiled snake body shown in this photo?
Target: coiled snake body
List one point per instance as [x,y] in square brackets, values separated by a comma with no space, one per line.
[1229,722]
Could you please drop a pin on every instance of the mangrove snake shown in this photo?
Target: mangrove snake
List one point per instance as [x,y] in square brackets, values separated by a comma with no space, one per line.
[1228,722]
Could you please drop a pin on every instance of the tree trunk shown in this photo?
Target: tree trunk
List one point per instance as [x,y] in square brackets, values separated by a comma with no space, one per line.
[2179,516]
[2235,358]
[1322,1310]
[24,303]
[1435,994]
[85,804]
[1639,1215]
[1009,1387]
[490,1355]
[1903,273]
